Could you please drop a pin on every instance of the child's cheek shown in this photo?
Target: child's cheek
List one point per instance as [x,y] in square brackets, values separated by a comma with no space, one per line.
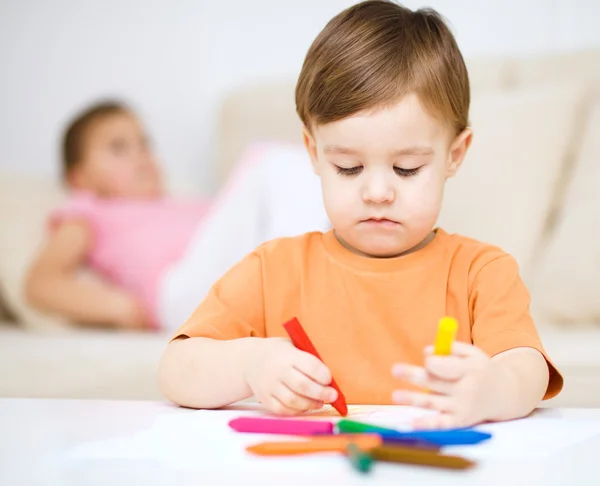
[340,201]
[423,199]
[122,179]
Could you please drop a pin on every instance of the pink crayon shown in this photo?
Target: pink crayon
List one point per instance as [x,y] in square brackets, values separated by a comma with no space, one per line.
[261,425]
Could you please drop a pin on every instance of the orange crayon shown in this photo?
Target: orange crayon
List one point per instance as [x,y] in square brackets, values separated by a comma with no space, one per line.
[330,443]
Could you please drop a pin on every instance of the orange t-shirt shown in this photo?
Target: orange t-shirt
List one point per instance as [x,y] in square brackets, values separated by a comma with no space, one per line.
[365,314]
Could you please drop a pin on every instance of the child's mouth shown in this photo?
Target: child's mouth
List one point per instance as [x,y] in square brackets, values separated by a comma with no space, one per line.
[381,223]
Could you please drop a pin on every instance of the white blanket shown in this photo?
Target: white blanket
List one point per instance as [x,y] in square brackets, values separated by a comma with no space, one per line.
[273,193]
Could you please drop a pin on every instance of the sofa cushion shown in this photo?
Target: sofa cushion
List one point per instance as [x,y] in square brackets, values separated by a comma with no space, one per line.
[488,73]
[583,64]
[254,114]
[503,191]
[25,202]
[80,363]
[567,279]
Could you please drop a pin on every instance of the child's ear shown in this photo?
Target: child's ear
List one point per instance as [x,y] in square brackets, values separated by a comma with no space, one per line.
[458,150]
[311,148]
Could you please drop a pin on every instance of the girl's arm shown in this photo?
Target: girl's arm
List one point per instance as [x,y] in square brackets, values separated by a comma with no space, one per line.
[53,284]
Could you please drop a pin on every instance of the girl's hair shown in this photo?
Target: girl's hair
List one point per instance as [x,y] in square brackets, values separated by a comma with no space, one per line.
[74,139]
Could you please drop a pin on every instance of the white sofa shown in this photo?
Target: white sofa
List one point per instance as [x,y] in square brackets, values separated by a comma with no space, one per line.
[528,184]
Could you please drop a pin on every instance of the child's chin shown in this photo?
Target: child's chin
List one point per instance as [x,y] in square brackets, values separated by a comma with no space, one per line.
[382,249]
[150,193]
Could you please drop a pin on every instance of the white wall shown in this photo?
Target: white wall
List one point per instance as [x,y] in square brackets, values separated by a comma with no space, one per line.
[175,60]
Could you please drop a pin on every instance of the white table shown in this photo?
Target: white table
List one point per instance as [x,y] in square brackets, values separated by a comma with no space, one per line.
[37,436]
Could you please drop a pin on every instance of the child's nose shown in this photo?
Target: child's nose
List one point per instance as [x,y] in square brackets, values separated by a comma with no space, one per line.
[378,190]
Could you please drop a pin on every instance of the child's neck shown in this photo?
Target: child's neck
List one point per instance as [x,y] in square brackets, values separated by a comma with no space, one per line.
[414,249]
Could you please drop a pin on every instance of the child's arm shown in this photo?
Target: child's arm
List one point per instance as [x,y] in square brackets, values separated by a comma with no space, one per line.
[209,373]
[222,353]
[521,382]
[206,373]
[53,285]
[503,375]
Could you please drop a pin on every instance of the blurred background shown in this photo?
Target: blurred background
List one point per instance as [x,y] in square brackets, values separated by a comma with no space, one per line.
[209,78]
[176,62]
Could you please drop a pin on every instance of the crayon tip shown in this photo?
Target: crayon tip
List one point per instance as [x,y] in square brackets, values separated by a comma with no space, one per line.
[447,328]
[361,461]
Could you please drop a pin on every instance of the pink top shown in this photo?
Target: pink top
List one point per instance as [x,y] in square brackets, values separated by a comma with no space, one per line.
[135,240]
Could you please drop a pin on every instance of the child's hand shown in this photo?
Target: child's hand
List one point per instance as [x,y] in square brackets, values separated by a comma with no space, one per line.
[462,387]
[286,380]
[129,314]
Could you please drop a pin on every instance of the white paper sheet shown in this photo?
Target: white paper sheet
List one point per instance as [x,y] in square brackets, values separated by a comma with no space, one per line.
[203,440]
[534,437]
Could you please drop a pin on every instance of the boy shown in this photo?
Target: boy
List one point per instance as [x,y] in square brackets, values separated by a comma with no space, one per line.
[384,99]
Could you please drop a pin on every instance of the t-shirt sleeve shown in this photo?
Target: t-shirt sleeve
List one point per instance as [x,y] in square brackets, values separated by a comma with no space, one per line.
[78,207]
[234,306]
[501,320]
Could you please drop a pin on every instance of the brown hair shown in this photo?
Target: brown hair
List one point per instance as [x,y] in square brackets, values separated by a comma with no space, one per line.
[73,144]
[372,54]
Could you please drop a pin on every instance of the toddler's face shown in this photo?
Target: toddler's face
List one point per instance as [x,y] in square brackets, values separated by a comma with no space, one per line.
[383,174]
[117,161]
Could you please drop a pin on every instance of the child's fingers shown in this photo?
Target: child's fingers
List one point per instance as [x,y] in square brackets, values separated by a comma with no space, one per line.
[312,367]
[449,368]
[429,401]
[420,377]
[465,349]
[458,349]
[434,421]
[414,374]
[274,405]
[301,384]
[292,400]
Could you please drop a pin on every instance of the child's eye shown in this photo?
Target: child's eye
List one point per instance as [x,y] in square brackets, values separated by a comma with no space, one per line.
[118,147]
[348,171]
[406,172]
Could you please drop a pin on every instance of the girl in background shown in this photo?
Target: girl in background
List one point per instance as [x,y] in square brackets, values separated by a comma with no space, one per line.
[157,256]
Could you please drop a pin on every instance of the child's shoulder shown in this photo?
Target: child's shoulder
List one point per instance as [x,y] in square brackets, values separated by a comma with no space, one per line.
[76,204]
[475,253]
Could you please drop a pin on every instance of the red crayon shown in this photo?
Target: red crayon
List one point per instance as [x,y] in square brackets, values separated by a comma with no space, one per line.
[301,341]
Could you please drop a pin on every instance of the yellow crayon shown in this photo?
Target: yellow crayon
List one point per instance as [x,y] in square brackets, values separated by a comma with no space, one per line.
[446,333]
